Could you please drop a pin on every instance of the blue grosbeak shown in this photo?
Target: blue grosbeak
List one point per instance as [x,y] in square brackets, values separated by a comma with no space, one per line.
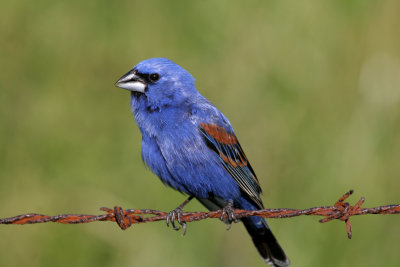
[191,146]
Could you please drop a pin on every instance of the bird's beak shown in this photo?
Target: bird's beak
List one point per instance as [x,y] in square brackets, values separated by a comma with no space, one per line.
[132,82]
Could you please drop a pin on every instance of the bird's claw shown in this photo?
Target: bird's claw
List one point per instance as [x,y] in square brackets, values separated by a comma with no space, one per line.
[172,216]
[228,211]
[176,215]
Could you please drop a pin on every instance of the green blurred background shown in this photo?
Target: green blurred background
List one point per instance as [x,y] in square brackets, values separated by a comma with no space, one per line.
[311,87]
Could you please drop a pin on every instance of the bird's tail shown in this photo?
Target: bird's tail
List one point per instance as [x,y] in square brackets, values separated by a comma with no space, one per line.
[265,242]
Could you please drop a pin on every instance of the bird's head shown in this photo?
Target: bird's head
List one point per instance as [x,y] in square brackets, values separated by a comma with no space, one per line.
[159,82]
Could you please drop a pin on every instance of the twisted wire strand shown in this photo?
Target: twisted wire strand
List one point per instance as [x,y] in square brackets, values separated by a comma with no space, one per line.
[125,218]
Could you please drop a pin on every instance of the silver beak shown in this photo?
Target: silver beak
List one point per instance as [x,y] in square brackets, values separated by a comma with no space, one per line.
[132,82]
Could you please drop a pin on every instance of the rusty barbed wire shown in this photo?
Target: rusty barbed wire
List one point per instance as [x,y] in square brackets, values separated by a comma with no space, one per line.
[125,218]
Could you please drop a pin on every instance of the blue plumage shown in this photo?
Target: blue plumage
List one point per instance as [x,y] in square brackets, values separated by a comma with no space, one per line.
[191,146]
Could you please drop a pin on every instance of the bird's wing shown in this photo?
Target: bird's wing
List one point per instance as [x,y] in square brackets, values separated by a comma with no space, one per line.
[233,159]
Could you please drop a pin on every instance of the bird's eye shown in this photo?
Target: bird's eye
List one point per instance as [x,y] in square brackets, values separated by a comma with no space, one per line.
[154,77]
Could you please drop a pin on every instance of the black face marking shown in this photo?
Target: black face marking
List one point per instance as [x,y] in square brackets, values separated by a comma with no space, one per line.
[148,78]
[136,94]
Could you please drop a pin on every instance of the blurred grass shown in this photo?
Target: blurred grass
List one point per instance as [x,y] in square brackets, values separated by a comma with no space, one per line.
[312,89]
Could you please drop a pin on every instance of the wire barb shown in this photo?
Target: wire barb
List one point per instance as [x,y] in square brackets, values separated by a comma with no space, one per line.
[125,218]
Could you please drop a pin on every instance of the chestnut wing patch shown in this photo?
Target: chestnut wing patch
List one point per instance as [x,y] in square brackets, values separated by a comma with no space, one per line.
[233,159]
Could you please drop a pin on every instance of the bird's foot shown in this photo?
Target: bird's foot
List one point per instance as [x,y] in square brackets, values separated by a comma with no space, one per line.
[228,211]
[176,215]
[172,216]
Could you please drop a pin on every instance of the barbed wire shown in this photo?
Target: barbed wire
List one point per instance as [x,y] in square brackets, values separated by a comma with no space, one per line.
[125,218]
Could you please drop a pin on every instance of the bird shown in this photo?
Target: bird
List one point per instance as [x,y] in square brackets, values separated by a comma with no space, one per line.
[191,146]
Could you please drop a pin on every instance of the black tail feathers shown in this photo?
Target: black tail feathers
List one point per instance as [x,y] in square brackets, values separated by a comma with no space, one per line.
[266,244]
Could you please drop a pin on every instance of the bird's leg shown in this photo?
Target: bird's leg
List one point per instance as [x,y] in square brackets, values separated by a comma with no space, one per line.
[176,214]
[228,211]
